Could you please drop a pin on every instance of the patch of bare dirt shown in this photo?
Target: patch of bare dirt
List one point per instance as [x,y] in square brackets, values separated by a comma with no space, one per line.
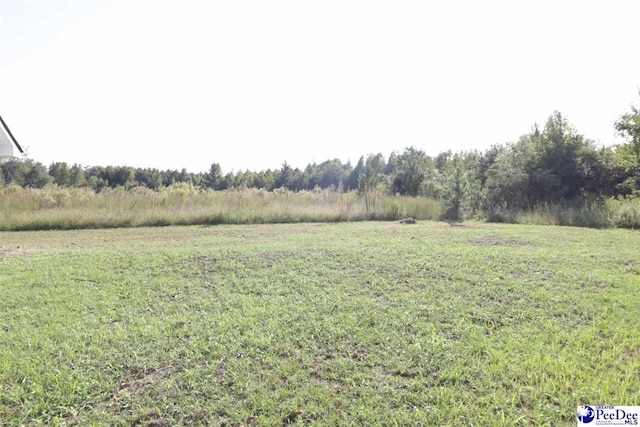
[6,251]
[145,382]
[494,241]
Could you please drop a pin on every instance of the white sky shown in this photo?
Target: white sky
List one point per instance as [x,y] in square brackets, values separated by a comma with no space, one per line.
[252,83]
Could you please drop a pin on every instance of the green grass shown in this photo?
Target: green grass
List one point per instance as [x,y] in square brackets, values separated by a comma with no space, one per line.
[368,323]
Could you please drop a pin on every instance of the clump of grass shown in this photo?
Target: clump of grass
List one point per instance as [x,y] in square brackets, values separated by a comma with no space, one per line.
[626,213]
[621,213]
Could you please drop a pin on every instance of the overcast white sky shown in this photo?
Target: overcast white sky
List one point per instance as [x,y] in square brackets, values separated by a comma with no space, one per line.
[252,83]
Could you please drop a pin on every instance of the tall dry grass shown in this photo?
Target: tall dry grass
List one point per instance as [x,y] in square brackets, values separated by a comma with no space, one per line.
[182,204]
[621,213]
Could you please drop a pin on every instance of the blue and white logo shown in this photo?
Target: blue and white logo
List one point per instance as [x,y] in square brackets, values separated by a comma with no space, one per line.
[607,415]
[586,414]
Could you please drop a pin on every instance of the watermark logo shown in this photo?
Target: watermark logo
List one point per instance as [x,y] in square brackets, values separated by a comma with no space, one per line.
[586,414]
[589,416]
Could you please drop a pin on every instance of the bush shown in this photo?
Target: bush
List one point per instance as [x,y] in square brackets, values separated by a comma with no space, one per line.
[622,213]
[626,212]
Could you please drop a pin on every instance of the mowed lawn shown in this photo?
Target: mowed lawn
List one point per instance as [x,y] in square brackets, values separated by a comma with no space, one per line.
[372,323]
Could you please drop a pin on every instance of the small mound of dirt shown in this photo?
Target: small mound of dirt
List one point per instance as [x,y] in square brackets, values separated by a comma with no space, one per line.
[408,221]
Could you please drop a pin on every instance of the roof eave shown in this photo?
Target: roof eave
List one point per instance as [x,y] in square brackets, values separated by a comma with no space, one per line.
[11,137]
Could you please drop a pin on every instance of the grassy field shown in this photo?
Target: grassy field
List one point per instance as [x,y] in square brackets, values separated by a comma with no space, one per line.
[368,323]
[53,208]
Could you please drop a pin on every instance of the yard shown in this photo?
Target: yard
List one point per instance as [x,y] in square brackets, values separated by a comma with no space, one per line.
[367,323]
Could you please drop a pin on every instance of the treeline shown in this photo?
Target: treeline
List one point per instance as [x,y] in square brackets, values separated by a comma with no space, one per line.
[552,164]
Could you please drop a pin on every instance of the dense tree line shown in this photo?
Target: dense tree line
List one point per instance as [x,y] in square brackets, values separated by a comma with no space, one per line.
[547,165]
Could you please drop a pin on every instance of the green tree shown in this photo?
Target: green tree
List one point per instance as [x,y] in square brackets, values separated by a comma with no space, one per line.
[284,176]
[213,178]
[117,176]
[13,171]
[311,176]
[370,176]
[487,159]
[354,177]
[410,172]
[297,180]
[474,194]
[332,174]
[150,178]
[25,172]
[628,125]
[557,161]
[36,174]
[76,176]
[392,164]
[125,176]
[457,190]
[227,182]
[541,167]
[442,159]
[60,173]
[183,176]
[508,177]
[245,179]
[266,179]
